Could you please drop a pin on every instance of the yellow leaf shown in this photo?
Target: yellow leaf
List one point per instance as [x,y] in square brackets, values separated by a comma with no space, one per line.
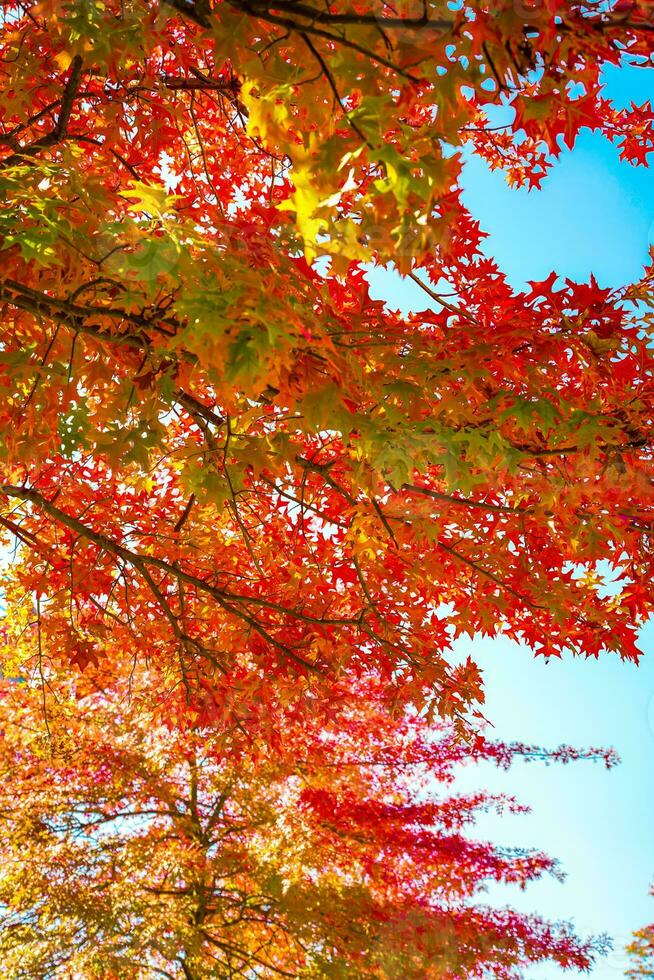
[63,59]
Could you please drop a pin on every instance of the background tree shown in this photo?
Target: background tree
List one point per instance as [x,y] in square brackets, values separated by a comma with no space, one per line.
[220,457]
[641,953]
[135,849]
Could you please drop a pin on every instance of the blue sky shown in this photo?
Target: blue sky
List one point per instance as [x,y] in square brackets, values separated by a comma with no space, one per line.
[594,214]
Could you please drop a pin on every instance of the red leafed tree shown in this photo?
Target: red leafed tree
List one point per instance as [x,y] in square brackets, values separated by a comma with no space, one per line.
[228,459]
[251,508]
[133,849]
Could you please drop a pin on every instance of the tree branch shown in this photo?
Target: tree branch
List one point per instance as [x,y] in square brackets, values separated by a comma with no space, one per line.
[142,563]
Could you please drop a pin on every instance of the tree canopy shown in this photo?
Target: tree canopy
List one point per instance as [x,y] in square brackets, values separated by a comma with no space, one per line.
[250,508]
[135,849]
[220,449]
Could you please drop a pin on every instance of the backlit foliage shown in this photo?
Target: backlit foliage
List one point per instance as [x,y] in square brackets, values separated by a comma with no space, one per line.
[240,465]
[135,849]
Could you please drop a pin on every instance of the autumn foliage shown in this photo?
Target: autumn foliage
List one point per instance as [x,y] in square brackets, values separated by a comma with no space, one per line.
[226,468]
[131,848]
[250,467]
[641,953]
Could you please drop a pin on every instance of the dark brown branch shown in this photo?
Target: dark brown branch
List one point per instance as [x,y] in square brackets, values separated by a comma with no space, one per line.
[199,83]
[185,514]
[439,299]
[190,10]
[332,84]
[74,316]
[59,131]
[327,16]
[488,574]
[462,502]
[141,563]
